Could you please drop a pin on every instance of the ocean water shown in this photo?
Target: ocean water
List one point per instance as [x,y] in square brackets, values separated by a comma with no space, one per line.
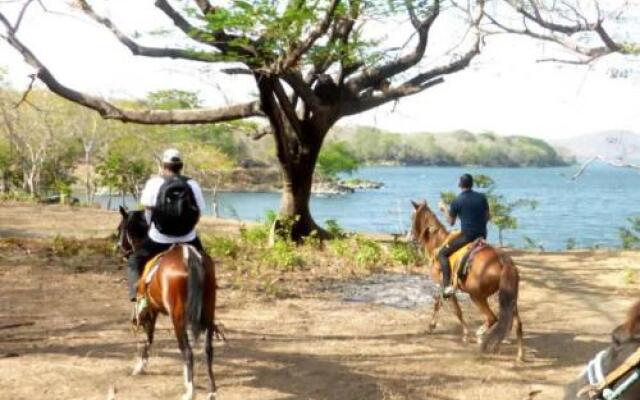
[588,211]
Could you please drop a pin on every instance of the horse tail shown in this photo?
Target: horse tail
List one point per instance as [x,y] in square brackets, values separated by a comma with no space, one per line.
[508,300]
[195,289]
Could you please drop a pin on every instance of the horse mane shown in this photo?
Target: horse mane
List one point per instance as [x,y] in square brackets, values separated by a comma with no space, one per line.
[433,220]
[633,319]
[137,224]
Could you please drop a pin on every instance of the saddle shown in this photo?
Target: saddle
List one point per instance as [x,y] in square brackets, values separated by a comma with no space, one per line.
[462,259]
[150,269]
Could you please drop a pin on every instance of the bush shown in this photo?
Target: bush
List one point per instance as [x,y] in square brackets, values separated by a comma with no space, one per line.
[334,229]
[629,275]
[571,244]
[404,253]
[282,255]
[630,237]
[221,246]
[340,247]
[64,247]
[368,253]
[255,235]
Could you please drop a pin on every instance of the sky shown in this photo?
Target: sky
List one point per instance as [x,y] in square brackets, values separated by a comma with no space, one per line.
[505,90]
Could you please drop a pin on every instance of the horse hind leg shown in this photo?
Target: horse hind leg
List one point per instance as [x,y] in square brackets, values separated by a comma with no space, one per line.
[519,334]
[182,336]
[489,316]
[149,328]
[209,358]
[458,311]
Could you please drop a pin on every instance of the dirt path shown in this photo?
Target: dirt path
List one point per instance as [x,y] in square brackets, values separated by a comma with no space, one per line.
[313,347]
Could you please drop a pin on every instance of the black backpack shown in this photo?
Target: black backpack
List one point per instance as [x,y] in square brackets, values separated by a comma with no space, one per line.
[176,212]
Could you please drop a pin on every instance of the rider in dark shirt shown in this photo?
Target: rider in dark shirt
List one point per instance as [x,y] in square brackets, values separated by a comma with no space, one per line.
[473,210]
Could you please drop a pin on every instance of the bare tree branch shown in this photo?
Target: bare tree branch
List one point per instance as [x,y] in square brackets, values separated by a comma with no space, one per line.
[287,108]
[218,39]
[392,94]
[323,25]
[139,50]
[111,111]
[205,6]
[16,26]
[302,89]
[371,77]
[613,163]
[26,92]
[561,34]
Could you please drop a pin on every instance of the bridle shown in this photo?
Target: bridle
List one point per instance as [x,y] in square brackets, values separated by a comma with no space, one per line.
[599,386]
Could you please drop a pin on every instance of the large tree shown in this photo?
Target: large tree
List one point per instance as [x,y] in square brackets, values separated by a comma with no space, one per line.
[313,63]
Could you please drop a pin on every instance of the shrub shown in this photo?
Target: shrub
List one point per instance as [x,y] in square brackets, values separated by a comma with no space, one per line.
[255,235]
[334,229]
[629,275]
[340,247]
[64,247]
[282,255]
[368,252]
[221,246]
[571,244]
[403,253]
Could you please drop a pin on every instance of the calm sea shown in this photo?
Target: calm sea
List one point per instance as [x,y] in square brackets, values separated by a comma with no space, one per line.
[588,211]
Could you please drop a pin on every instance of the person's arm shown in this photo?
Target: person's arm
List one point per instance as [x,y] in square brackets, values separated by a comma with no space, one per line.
[197,193]
[486,204]
[148,198]
[454,210]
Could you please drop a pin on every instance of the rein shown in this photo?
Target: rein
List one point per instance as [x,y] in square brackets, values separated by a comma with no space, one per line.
[600,384]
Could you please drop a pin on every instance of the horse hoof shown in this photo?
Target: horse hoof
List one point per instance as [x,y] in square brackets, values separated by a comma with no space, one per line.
[481,331]
[211,396]
[139,368]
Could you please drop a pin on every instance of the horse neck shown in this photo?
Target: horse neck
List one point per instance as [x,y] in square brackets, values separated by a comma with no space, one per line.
[437,239]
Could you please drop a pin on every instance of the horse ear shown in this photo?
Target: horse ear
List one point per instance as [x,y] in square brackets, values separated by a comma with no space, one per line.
[414,204]
[123,212]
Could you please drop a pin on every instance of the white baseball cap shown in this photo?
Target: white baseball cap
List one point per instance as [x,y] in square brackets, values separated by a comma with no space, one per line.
[171,156]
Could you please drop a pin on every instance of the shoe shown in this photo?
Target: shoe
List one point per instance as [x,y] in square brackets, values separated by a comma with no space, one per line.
[448,291]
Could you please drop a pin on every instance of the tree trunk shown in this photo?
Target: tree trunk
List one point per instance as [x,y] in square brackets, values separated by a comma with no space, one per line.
[297,180]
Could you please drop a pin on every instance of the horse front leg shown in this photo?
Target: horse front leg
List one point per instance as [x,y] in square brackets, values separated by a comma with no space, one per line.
[149,325]
[437,304]
[458,311]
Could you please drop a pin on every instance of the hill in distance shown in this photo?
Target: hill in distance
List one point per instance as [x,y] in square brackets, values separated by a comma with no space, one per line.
[374,146]
[610,145]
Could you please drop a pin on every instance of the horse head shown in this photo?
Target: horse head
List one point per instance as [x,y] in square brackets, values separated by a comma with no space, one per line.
[625,341]
[424,223]
[132,230]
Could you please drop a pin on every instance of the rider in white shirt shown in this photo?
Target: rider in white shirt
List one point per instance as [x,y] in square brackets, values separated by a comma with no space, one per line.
[158,241]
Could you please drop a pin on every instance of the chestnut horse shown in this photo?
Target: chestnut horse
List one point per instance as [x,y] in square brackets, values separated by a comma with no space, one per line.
[183,287]
[604,369]
[490,271]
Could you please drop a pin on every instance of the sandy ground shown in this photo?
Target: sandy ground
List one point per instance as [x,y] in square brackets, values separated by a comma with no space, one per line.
[63,334]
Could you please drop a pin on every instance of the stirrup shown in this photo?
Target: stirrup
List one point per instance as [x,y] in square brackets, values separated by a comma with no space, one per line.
[448,291]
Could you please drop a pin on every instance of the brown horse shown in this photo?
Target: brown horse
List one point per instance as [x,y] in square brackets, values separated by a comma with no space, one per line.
[183,287]
[625,343]
[490,271]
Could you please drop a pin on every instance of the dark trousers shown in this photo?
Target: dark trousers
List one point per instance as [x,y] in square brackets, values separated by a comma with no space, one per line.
[143,254]
[446,252]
